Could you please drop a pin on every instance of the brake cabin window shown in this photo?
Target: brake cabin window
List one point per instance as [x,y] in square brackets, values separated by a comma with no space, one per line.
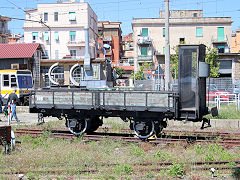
[13,81]
[6,80]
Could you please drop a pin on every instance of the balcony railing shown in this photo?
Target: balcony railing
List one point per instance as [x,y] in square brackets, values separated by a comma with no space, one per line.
[220,40]
[145,58]
[76,43]
[144,40]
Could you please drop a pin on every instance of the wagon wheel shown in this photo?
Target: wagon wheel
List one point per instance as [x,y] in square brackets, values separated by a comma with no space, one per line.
[93,124]
[77,126]
[144,129]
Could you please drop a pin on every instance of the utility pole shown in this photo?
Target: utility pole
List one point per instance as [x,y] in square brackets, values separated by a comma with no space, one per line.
[167,47]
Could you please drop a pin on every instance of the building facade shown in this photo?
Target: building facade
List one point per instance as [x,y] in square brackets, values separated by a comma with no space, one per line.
[60,28]
[185,27]
[4,32]
[235,48]
[110,39]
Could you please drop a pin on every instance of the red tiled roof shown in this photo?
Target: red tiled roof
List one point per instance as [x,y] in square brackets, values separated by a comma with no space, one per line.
[17,50]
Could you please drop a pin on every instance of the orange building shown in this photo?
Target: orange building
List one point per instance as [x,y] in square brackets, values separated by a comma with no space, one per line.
[109,41]
[235,48]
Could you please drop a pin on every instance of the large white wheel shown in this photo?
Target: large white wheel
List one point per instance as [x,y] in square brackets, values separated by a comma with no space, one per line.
[77,126]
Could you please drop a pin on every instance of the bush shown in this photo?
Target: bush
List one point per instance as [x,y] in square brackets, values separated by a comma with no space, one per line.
[137,151]
[236,173]
[162,156]
[123,169]
[176,170]
[209,157]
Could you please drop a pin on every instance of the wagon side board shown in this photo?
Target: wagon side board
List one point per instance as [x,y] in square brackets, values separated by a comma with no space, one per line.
[103,100]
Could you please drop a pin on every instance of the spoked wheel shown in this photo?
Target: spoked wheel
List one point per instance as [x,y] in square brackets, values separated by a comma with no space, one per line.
[77,126]
[143,129]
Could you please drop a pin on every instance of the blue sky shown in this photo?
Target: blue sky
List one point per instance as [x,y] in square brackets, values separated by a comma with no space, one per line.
[125,10]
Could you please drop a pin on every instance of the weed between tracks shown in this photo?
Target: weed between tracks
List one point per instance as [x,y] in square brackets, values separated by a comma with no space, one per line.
[48,158]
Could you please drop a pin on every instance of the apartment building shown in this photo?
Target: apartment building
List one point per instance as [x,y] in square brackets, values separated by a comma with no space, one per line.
[4,32]
[60,28]
[186,27]
[109,43]
[235,48]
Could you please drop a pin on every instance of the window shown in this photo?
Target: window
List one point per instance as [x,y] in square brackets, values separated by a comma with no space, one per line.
[6,80]
[182,40]
[72,36]
[13,81]
[144,51]
[55,16]
[144,32]
[46,38]
[220,49]
[220,33]
[45,16]
[56,54]
[77,74]
[56,36]
[163,50]
[34,36]
[73,53]
[72,16]
[163,32]
[194,14]
[199,32]
[96,70]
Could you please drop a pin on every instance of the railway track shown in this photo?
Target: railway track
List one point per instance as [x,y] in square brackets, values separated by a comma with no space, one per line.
[168,137]
[140,167]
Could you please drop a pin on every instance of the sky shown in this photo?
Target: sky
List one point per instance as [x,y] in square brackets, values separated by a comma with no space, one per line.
[125,10]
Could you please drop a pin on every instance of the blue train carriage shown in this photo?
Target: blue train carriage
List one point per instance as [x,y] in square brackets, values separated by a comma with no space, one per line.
[147,111]
[21,80]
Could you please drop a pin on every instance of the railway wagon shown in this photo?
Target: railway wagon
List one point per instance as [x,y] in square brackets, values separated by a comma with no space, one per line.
[147,111]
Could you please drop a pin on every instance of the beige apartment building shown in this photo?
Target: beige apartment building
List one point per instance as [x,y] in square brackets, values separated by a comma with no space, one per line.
[186,27]
[62,29]
[4,32]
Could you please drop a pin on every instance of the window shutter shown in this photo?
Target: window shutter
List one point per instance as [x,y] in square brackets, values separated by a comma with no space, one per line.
[46,36]
[35,33]
[72,33]
[145,32]
[72,16]
[220,33]
[144,51]
[199,32]
[56,36]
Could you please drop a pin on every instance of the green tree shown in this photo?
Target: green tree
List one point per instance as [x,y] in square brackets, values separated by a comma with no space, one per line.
[119,72]
[139,73]
[211,58]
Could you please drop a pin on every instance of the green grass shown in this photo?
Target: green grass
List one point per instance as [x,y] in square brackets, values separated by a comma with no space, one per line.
[72,157]
[226,112]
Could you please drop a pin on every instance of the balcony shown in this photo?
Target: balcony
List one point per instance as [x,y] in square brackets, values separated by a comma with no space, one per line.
[145,58]
[224,40]
[76,43]
[144,40]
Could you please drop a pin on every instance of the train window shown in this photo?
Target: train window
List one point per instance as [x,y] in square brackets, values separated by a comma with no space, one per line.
[6,80]
[13,81]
